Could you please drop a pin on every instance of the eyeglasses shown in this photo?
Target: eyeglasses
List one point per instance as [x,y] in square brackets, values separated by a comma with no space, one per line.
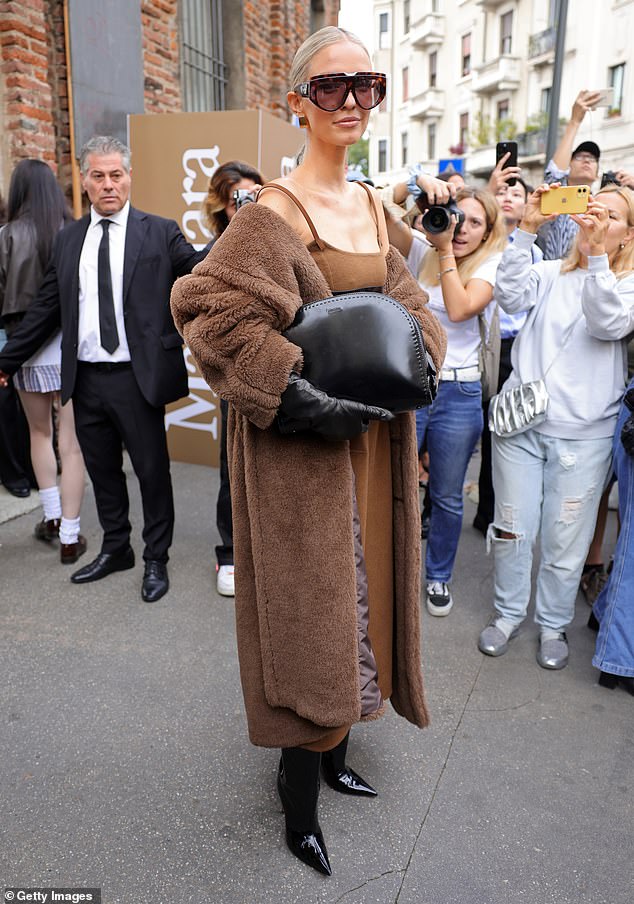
[585,157]
[329,92]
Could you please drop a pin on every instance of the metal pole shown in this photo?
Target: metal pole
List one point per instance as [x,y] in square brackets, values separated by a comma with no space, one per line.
[560,49]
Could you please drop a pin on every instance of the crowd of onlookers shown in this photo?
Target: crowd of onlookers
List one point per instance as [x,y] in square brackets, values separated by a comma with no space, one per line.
[556,292]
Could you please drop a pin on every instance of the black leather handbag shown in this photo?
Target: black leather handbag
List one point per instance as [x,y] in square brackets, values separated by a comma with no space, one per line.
[367,347]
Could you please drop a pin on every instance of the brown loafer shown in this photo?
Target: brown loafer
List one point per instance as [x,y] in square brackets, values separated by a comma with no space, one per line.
[47,530]
[70,552]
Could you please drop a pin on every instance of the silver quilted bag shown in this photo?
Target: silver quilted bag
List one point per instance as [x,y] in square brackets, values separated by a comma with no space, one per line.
[519,408]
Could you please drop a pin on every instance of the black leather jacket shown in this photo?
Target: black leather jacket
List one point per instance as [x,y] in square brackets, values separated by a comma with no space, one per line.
[20,270]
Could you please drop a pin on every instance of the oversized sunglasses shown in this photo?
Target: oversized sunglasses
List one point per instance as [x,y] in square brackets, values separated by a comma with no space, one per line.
[329,92]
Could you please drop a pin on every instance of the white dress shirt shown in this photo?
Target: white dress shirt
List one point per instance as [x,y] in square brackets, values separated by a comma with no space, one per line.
[89,341]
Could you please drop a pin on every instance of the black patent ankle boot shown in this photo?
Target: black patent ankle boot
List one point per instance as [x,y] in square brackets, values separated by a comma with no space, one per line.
[339,776]
[298,787]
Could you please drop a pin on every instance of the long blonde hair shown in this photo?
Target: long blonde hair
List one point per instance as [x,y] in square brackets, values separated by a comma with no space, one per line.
[623,262]
[312,45]
[496,240]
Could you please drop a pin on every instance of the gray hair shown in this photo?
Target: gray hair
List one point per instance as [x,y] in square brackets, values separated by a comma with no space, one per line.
[101,145]
[312,45]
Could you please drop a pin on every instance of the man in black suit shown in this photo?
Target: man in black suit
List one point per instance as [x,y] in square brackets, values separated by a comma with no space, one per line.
[108,285]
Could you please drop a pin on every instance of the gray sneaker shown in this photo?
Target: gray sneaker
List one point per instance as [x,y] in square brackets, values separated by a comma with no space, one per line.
[493,641]
[553,654]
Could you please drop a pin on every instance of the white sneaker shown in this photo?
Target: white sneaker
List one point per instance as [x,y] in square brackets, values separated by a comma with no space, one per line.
[439,599]
[224,580]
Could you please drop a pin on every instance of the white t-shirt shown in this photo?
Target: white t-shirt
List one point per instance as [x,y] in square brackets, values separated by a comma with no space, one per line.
[463,339]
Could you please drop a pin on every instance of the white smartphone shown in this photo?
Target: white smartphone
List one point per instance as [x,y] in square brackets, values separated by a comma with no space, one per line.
[606,96]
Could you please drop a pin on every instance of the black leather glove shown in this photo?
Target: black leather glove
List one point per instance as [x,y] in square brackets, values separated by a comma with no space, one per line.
[627,435]
[304,407]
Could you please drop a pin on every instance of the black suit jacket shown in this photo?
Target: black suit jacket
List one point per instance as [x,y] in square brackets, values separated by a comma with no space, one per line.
[155,255]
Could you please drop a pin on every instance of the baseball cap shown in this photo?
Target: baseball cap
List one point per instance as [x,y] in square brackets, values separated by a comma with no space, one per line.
[588,147]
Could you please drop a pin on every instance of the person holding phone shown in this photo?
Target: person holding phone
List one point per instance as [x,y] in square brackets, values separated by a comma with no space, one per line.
[326,519]
[570,165]
[548,479]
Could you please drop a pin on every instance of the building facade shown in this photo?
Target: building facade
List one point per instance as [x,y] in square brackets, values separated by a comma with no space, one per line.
[196,55]
[465,74]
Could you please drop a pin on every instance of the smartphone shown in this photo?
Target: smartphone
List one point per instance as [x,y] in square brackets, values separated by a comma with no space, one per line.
[606,97]
[507,147]
[565,199]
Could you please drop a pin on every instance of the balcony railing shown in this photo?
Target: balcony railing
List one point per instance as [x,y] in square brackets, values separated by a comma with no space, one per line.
[500,74]
[530,144]
[541,43]
[427,104]
[427,31]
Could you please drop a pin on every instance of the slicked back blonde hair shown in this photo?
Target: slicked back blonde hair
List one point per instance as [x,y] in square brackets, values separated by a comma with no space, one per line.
[496,240]
[312,45]
[623,262]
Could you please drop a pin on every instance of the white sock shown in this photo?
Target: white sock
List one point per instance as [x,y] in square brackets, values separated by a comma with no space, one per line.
[549,634]
[51,503]
[69,530]
[506,627]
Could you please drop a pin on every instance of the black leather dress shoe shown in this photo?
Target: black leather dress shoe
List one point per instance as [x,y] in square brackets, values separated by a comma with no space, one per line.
[345,780]
[105,563]
[607,679]
[310,849]
[18,489]
[155,581]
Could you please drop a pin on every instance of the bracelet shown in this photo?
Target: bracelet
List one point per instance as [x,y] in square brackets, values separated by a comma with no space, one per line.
[448,270]
[444,257]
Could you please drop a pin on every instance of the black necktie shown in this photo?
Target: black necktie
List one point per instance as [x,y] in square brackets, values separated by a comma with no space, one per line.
[107,322]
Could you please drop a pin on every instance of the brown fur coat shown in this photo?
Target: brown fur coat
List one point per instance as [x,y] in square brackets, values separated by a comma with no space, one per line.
[293,496]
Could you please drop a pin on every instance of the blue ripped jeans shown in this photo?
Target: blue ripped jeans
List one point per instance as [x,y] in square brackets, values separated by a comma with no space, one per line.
[551,487]
[614,608]
[452,427]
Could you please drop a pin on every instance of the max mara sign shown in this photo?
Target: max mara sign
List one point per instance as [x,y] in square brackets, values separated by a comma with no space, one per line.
[173,157]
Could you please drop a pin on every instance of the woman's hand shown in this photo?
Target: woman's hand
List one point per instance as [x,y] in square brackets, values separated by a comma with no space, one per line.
[437,191]
[594,225]
[443,241]
[533,217]
[500,176]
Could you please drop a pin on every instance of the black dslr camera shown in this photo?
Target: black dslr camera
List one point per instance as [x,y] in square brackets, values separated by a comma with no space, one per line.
[437,217]
[609,178]
[243,196]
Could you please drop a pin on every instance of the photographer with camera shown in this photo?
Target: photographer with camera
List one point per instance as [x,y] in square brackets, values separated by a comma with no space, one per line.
[233,184]
[456,266]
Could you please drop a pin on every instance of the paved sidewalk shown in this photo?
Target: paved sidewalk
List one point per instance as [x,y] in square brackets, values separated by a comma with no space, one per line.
[125,762]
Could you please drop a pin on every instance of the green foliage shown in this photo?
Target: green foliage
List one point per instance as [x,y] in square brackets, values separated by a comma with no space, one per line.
[481,134]
[505,129]
[358,155]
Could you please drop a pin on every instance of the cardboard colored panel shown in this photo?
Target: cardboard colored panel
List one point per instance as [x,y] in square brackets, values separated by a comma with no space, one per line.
[173,157]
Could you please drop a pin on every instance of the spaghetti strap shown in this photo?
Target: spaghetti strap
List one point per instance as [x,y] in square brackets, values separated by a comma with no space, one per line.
[375,212]
[311,225]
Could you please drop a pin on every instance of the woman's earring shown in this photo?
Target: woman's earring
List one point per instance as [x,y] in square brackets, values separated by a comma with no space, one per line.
[303,122]
[622,246]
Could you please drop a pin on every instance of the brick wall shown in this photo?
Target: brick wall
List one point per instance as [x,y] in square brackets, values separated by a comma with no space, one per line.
[34,114]
[26,59]
[272,33]
[159,19]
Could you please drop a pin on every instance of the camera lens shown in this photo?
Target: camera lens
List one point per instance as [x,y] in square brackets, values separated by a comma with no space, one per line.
[436,220]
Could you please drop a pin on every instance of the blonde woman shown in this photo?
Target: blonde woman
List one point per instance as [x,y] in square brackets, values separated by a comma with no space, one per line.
[548,480]
[326,519]
[457,269]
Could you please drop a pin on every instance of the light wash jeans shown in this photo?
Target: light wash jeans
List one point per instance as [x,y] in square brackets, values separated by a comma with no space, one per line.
[552,487]
[614,608]
[452,426]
